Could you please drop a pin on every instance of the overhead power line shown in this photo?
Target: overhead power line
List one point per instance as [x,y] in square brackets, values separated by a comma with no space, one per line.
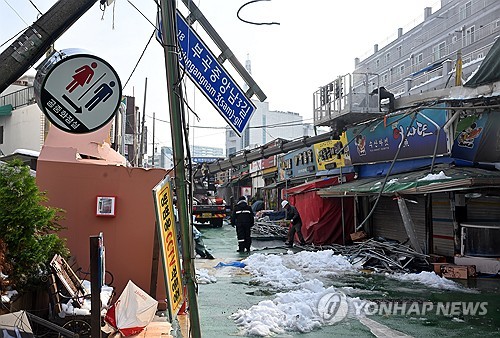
[16,12]
[35,7]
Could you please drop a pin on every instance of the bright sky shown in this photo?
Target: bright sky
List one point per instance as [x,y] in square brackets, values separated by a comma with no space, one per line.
[316,41]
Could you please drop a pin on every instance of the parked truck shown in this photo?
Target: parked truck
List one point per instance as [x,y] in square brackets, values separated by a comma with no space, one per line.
[207,207]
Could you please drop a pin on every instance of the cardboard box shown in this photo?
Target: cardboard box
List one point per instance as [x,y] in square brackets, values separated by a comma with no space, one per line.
[437,267]
[458,271]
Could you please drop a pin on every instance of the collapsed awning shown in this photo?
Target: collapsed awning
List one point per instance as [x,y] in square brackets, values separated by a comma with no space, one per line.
[489,70]
[320,183]
[444,178]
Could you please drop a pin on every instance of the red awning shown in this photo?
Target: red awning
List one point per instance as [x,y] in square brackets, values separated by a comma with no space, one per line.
[324,220]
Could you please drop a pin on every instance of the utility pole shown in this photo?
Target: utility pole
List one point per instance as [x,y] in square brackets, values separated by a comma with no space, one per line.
[142,146]
[30,46]
[168,8]
[123,110]
[154,148]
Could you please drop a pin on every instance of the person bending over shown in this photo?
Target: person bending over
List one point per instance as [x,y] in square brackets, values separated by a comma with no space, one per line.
[293,215]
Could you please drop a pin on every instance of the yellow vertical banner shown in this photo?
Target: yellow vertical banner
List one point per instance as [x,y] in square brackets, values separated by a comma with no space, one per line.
[165,222]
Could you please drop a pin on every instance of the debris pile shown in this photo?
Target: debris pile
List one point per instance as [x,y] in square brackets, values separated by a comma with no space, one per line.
[263,229]
[381,255]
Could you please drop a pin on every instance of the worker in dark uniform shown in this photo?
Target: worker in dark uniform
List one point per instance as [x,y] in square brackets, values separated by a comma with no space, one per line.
[293,215]
[243,219]
[385,94]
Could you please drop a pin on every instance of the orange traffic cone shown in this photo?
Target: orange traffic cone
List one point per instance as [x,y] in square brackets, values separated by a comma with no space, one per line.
[182,310]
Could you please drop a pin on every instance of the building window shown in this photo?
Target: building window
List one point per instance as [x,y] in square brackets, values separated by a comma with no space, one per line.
[377,64]
[420,58]
[385,78]
[387,57]
[402,70]
[231,151]
[465,11]
[232,133]
[480,55]
[468,36]
[439,51]
[400,51]
[1,134]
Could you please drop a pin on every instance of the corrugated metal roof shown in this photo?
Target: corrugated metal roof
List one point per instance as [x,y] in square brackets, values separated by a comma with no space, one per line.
[418,182]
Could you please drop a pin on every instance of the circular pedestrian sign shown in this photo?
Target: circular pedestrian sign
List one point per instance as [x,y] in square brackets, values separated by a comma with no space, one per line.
[78,93]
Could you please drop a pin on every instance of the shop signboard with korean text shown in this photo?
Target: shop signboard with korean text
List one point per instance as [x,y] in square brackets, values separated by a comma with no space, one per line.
[379,141]
[297,163]
[332,154]
[165,221]
[78,92]
[203,68]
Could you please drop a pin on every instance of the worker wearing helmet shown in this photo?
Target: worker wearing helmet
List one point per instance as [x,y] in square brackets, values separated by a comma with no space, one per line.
[293,215]
[243,219]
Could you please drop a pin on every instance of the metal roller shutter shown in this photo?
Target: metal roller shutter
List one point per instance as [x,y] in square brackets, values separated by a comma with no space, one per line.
[442,224]
[484,209]
[387,221]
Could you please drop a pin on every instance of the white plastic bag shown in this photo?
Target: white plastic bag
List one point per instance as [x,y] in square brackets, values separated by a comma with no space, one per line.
[132,312]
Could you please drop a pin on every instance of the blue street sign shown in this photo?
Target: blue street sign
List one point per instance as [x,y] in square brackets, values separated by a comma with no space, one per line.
[211,78]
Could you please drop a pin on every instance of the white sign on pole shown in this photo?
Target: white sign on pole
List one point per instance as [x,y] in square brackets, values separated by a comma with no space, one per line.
[80,93]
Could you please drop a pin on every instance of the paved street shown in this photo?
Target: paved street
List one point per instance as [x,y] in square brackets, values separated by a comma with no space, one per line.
[235,289]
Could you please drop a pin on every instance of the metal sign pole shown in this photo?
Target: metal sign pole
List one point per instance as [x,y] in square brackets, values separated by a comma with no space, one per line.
[95,285]
[174,98]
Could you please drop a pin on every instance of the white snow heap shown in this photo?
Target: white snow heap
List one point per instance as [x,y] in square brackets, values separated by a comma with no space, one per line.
[434,177]
[429,279]
[203,277]
[295,309]
[69,309]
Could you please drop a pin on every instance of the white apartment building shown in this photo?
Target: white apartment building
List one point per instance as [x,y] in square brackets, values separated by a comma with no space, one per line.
[22,123]
[266,126]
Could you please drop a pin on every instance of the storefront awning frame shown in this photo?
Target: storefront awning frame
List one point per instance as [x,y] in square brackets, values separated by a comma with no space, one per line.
[456,179]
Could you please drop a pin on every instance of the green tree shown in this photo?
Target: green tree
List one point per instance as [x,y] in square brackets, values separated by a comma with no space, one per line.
[27,227]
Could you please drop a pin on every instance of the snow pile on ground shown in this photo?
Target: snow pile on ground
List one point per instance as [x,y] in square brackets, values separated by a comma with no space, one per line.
[282,272]
[203,277]
[296,307]
[70,309]
[269,270]
[429,279]
[320,261]
[290,311]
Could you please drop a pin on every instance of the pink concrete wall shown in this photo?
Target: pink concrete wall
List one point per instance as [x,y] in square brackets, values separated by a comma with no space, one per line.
[128,237]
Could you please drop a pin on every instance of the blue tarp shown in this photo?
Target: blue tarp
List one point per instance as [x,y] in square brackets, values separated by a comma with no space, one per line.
[236,264]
